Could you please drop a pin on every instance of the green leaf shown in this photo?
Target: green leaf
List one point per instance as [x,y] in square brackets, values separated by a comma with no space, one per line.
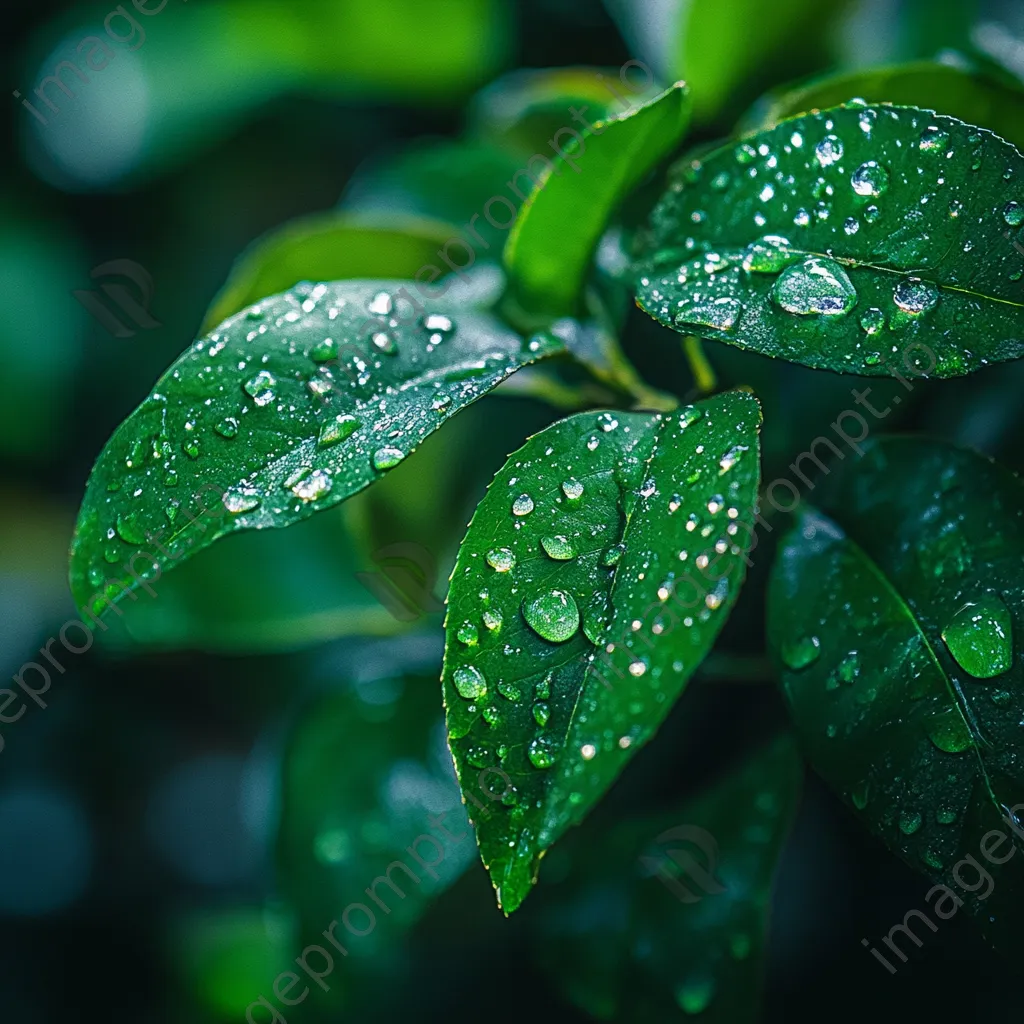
[284,410]
[563,653]
[874,240]
[895,610]
[263,591]
[327,247]
[365,773]
[641,927]
[559,226]
[720,45]
[964,92]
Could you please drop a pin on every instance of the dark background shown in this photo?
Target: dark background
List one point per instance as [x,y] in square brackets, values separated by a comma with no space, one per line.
[139,813]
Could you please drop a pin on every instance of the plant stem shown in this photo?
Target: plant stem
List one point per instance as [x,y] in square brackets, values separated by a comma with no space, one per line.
[703,373]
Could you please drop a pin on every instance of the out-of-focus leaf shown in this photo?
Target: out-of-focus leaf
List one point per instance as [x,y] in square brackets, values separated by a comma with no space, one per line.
[895,613]
[575,551]
[327,247]
[559,226]
[840,238]
[448,181]
[640,928]
[142,115]
[40,338]
[953,89]
[366,774]
[719,45]
[254,414]
[266,591]
[524,109]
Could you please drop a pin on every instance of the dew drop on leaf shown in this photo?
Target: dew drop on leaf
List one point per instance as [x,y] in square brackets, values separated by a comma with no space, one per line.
[870,179]
[558,547]
[501,559]
[980,637]
[815,287]
[801,653]
[552,615]
[470,682]
[387,457]
[543,751]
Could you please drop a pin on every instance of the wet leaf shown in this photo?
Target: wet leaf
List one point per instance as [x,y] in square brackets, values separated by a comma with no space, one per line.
[559,226]
[286,409]
[895,611]
[595,575]
[874,240]
[681,900]
[327,247]
[957,90]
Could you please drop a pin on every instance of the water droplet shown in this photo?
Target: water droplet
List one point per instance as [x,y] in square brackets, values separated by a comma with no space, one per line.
[694,996]
[815,287]
[541,713]
[381,304]
[552,615]
[468,634]
[510,691]
[558,547]
[851,225]
[607,422]
[980,637]
[324,351]
[871,214]
[312,486]
[933,139]
[261,388]
[572,489]
[872,321]
[440,403]
[337,429]
[948,731]
[493,619]
[470,682]
[129,529]
[768,255]
[479,757]
[910,822]
[613,555]
[387,457]
[829,150]
[1013,214]
[244,500]
[719,314]
[228,427]
[523,505]
[543,751]
[870,179]
[438,324]
[384,341]
[501,559]
[802,653]
[915,296]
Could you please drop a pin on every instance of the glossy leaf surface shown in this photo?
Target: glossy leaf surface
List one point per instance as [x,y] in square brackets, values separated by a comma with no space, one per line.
[595,575]
[682,902]
[860,239]
[558,227]
[285,409]
[895,612]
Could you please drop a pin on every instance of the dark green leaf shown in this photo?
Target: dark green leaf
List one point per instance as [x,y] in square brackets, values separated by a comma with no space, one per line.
[676,930]
[896,612]
[558,227]
[285,409]
[959,90]
[563,653]
[327,247]
[875,240]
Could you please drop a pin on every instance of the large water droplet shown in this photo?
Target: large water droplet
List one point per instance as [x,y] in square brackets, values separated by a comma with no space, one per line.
[872,321]
[261,387]
[829,150]
[312,486]
[337,429]
[768,255]
[980,637]
[933,139]
[815,287]
[572,489]
[719,314]
[552,615]
[238,501]
[523,505]
[543,751]
[387,457]
[801,653]
[501,559]
[915,296]
[470,682]
[870,179]
[558,547]
[1013,214]
[948,731]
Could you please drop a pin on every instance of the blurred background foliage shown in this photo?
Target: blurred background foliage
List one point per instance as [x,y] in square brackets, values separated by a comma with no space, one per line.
[233,764]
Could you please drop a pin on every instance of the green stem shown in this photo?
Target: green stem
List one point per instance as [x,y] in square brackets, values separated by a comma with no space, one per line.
[703,373]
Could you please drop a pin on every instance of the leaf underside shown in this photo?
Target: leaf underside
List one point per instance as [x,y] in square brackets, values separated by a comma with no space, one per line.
[580,605]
